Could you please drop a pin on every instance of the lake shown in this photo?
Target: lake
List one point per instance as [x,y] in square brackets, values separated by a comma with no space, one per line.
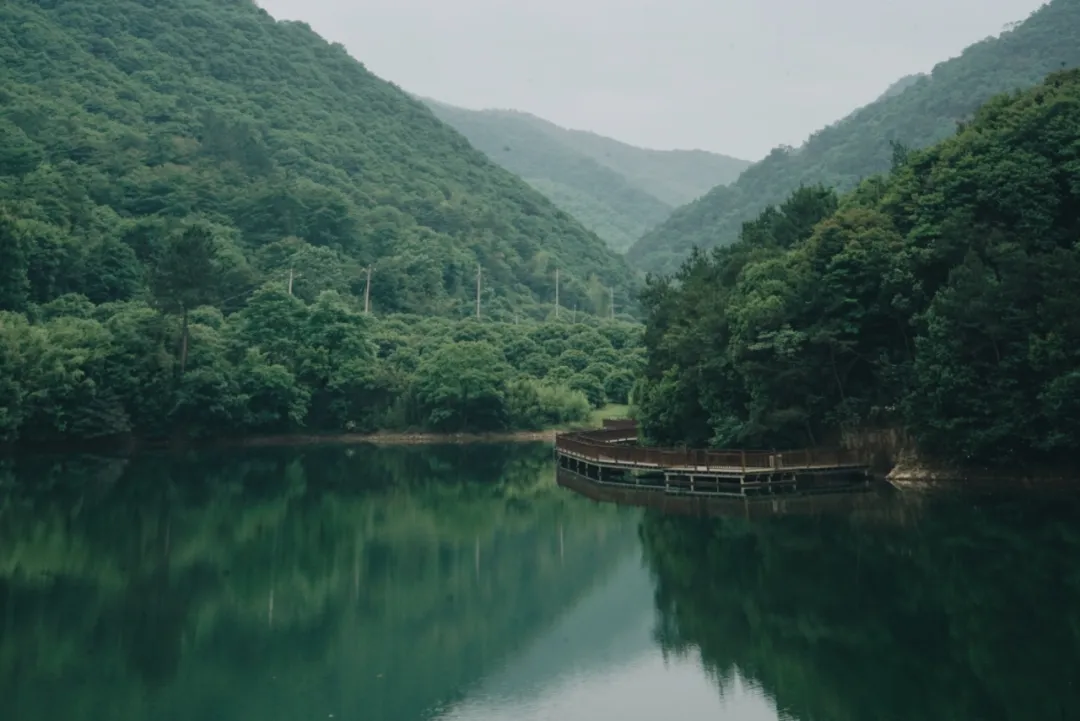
[461,583]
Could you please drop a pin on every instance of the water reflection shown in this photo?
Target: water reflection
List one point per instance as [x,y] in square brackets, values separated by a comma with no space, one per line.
[930,608]
[463,584]
[370,584]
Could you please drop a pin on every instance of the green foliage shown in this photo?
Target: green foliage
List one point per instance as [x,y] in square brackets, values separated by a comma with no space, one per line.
[15,252]
[915,113]
[617,386]
[127,123]
[460,386]
[184,273]
[616,190]
[536,404]
[590,386]
[940,299]
[75,371]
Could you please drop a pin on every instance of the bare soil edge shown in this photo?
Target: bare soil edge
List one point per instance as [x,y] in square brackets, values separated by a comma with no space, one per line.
[912,473]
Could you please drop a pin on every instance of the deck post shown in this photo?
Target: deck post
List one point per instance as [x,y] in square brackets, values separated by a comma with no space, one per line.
[742,458]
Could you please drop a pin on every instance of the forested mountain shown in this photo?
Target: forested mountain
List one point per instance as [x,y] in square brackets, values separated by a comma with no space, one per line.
[926,111]
[616,190]
[940,300]
[673,176]
[190,193]
[122,121]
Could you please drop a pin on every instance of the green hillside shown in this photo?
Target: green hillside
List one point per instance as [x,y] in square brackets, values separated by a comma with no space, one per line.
[616,190]
[674,176]
[926,111]
[939,300]
[125,121]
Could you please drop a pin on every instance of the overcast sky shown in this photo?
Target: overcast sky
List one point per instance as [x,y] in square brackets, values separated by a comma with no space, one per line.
[732,76]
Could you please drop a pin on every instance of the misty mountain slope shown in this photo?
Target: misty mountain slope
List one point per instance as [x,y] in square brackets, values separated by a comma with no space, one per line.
[917,111]
[616,190]
[121,120]
[673,176]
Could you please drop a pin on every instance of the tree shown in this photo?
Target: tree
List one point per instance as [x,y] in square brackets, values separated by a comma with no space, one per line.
[460,387]
[939,300]
[14,263]
[186,275]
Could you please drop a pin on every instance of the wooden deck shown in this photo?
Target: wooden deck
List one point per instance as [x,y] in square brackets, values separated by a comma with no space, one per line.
[611,456]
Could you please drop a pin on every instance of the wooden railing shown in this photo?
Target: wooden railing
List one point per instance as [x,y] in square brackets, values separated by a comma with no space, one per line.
[602,446]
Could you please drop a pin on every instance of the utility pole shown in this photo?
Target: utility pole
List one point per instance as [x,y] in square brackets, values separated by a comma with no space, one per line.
[478,291]
[556,292]
[367,292]
[290,280]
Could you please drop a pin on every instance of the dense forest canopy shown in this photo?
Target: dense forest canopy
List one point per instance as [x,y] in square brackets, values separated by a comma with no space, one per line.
[940,299]
[924,111]
[79,372]
[616,190]
[122,121]
[193,198]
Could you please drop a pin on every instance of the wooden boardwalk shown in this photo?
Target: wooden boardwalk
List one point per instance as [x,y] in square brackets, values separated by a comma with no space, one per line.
[611,456]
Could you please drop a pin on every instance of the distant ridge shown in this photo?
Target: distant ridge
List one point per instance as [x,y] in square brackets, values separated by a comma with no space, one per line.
[915,112]
[617,190]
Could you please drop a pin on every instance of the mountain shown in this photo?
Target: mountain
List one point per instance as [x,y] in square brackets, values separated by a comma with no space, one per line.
[616,190]
[915,113]
[938,300]
[673,176]
[122,121]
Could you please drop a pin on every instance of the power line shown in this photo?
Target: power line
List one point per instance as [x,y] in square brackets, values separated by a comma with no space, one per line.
[556,292]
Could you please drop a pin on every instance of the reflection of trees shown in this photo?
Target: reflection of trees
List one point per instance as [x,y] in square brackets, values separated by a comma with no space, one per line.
[375,582]
[964,611]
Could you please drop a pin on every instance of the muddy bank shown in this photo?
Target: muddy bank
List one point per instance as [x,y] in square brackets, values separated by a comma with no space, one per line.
[893,457]
[910,472]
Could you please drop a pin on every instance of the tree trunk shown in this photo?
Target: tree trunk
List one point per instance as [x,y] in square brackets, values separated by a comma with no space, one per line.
[184,343]
[836,372]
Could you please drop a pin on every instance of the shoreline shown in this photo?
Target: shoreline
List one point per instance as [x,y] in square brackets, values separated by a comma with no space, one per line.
[133,445]
[904,471]
[908,472]
[387,438]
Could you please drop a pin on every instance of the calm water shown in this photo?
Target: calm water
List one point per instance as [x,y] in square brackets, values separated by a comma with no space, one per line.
[462,584]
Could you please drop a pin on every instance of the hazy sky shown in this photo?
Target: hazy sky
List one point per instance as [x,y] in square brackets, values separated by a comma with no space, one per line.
[732,76]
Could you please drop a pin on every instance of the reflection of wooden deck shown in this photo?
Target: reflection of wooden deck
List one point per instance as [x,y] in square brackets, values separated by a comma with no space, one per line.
[611,457]
[859,497]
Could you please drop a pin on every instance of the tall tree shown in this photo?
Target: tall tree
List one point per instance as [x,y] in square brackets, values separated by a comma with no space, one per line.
[185,276]
[14,263]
